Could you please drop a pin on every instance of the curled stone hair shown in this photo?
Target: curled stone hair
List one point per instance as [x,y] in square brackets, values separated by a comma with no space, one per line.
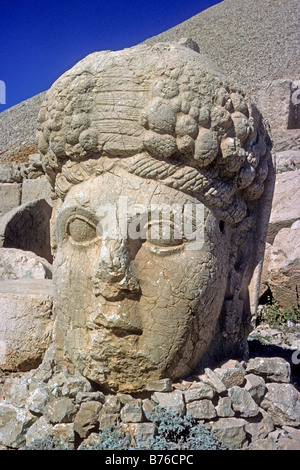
[166,108]
[163,112]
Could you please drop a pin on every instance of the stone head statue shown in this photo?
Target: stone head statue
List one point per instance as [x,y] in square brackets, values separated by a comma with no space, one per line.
[160,169]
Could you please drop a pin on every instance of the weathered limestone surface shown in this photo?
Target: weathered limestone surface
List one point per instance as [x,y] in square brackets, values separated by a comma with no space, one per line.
[27,228]
[152,127]
[286,207]
[25,322]
[10,196]
[279,103]
[280,274]
[33,189]
[19,264]
[282,266]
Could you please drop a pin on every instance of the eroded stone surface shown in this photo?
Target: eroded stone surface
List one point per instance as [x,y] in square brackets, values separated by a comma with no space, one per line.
[26,322]
[125,132]
[20,264]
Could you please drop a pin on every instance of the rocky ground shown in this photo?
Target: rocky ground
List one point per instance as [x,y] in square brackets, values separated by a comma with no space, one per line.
[251,41]
[252,405]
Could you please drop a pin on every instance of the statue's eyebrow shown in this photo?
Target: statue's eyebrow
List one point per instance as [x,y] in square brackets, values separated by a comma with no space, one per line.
[71,211]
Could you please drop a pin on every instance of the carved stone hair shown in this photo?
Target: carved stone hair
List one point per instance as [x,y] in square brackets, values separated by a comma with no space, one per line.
[169,114]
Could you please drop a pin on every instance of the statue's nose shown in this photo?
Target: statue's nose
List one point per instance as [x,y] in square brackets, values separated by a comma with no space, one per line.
[113,276]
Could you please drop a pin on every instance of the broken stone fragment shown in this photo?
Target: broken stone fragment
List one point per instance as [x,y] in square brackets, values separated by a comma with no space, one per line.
[198,392]
[231,431]
[224,408]
[14,423]
[273,369]
[213,380]
[256,387]
[108,420]
[61,410]
[282,402]
[162,385]
[112,404]
[260,426]
[26,322]
[20,264]
[132,412]
[231,377]
[201,409]
[87,418]
[89,396]
[172,401]
[242,402]
[142,433]
[148,408]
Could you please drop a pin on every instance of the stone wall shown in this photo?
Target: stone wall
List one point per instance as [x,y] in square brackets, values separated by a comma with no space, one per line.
[21,183]
[248,405]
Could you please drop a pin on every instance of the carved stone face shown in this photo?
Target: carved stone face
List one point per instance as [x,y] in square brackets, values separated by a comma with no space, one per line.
[131,309]
[152,125]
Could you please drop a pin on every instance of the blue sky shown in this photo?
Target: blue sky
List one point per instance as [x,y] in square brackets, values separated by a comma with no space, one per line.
[41,39]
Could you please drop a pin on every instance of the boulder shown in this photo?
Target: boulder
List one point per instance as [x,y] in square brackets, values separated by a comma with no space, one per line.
[286,207]
[282,402]
[108,420]
[256,386]
[87,418]
[242,402]
[61,410]
[260,426]
[82,397]
[27,227]
[231,431]
[14,423]
[213,380]
[231,376]
[162,385]
[275,100]
[132,412]
[112,404]
[42,431]
[272,369]
[19,264]
[148,408]
[289,439]
[172,401]
[39,399]
[10,172]
[142,433]
[282,266]
[201,409]
[25,322]
[38,431]
[224,408]
[198,392]
[263,444]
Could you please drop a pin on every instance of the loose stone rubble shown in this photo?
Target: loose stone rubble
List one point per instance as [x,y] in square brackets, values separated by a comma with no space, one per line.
[249,405]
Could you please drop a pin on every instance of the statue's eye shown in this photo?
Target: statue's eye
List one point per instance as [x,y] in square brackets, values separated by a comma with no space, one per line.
[164,234]
[81,231]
